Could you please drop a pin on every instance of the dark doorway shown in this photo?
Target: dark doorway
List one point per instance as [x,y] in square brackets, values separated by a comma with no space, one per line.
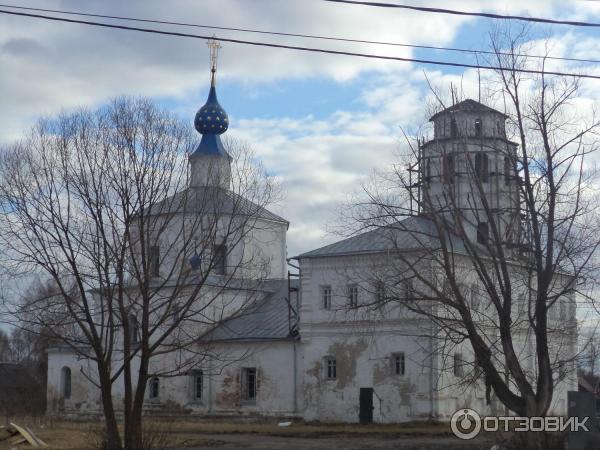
[366,405]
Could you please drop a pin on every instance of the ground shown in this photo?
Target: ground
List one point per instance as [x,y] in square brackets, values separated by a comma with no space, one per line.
[178,435]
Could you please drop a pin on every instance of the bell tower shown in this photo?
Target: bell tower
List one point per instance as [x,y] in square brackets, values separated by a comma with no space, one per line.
[468,172]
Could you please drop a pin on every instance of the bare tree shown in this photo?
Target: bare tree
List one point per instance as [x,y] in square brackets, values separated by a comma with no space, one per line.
[494,230]
[590,352]
[141,255]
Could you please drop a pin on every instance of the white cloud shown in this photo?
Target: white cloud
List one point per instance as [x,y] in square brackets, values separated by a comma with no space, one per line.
[48,66]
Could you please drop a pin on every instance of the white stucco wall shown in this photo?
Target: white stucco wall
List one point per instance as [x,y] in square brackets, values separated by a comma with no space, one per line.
[222,386]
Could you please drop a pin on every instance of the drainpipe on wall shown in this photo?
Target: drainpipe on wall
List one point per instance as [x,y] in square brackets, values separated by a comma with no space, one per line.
[297,267]
[295,378]
[210,375]
[433,354]
[431,401]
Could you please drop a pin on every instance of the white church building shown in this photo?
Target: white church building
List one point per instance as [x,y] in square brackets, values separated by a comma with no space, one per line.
[306,348]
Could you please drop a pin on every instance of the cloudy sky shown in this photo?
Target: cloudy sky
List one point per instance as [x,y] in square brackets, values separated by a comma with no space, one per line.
[321,123]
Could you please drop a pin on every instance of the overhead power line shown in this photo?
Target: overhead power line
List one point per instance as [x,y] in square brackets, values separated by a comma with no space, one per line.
[468,13]
[309,36]
[294,47]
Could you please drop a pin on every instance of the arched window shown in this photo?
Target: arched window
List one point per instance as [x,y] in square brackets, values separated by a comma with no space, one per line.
[134,329]
[482,167]
[154,261]
[427,171]
[154,388]
[65,383]
[478,127]
[220,259]
[482,233]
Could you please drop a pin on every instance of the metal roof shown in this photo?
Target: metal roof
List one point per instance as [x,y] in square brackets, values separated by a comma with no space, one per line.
[266,319]
[212,200]
[468,105]
[410,233]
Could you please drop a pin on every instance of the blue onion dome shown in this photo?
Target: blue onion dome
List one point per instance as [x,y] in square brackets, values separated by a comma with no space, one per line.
[211,118]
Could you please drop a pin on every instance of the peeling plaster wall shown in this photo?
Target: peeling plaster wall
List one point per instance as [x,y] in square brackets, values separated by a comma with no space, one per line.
[362,344]
[364,361]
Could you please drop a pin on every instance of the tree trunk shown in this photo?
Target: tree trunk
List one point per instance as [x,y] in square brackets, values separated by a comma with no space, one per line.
[536,440]
[134,437]
[113,438]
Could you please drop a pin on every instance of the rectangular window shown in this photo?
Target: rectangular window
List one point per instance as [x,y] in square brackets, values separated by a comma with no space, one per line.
[326,297]
[563,310]
[483,233]
[176,314]
[380,294]
[353,296]
[478,127]
[507,171]
[398,363]
[249,384]
[330,368]
[154,260]
[407,288]
[475,298]
[198,385]
[220,259]
[482,167]
[458,365]
[453,128]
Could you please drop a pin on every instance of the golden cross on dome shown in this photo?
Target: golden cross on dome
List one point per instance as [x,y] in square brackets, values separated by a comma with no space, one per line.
[214,47]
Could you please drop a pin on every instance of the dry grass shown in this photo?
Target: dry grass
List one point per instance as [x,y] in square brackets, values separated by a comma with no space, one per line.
[79,435]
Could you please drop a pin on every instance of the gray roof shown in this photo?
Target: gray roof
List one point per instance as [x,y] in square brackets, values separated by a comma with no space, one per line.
[409,234]
[468,105]
[266,319]
[212,200]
